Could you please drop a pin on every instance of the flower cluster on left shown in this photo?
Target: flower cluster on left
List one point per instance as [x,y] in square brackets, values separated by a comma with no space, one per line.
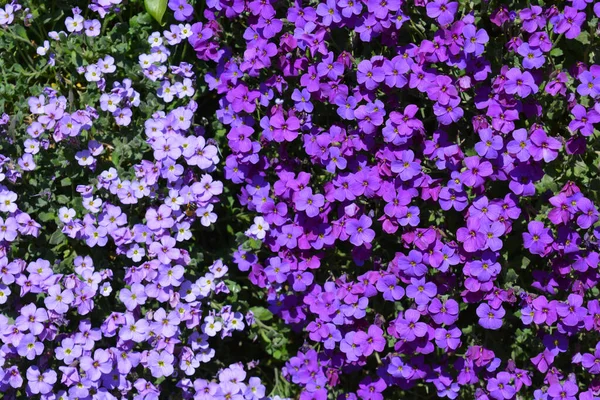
[110,286]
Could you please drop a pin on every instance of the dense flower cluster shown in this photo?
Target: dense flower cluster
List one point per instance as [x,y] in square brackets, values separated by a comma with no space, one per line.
[425,136]
[417,179]
[100,333]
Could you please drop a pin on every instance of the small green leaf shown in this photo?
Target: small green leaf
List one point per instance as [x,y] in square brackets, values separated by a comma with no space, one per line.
[261,313]
[156,8]
[57,237]
[62,199]
[46,216]
[556,52]
[20,30]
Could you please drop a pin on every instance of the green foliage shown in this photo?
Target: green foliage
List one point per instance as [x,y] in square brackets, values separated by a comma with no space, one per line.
[156,8]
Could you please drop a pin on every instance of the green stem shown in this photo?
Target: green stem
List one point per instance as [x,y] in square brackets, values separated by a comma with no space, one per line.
[557,40]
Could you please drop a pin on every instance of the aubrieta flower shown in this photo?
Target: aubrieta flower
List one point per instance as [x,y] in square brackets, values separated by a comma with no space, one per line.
[387,202]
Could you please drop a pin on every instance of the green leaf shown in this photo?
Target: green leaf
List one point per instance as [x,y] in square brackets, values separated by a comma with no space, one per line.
[62,199]
[46,216]
[556,52]
[156,8]
[57,237]
[20,30]
[261,313]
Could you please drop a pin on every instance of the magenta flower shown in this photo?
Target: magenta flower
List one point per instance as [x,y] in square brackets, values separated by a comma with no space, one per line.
[284,129]
[471,237]
[500,387]
[409,327]
[476,171]
[370,341]
[572,312]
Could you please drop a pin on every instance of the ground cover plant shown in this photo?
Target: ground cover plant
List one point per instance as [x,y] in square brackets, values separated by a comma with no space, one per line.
[260,199]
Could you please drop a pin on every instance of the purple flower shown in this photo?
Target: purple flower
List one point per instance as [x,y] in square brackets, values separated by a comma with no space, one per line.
[29,347]
[537,238]
[406,168]
[444,312]
[369,75]
[450,198]
[490,318]
[358,230]
[160,364]
[447,339]
[278,270]
[520,145]
[388,285]
[32,319]
[500,387]
[182,10]
[97,366]
[471,237]
[589,213]
[398,369]
[484,270]
[38,382]
[302,99]
[284,129]
[329,12]
[592,361]
[572,312]
[443,10]
[449,113]
[590,84]
[476,171]
[520,83]
[475,39]
[308,202]
[8,229]
[421,291]
[409,327]
[565,391]
[570,23]
[349,347]
[584,120]
[543,147]
[532,57]
[370,341]
[134,297]
[490,144]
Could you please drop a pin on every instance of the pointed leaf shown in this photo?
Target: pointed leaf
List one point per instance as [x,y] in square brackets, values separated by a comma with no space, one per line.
[156,8]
